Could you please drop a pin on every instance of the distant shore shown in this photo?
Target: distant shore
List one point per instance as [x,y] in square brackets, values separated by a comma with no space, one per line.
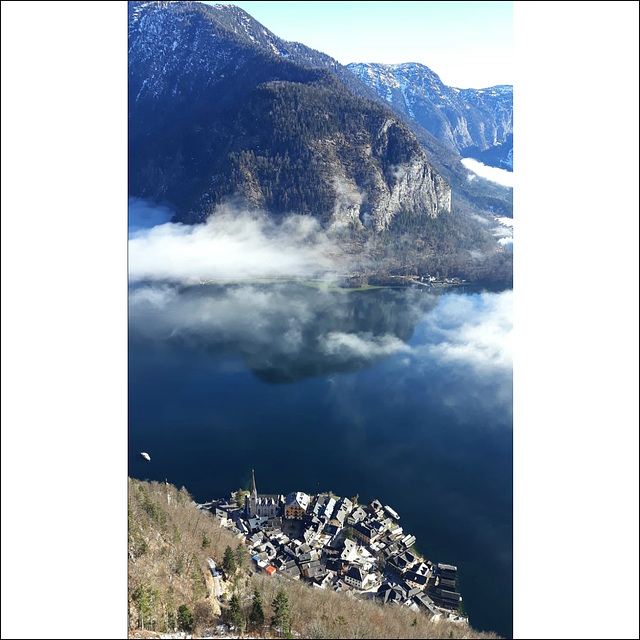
[392,282]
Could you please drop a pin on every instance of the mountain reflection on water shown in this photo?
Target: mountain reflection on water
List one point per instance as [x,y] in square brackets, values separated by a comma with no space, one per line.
[284,332]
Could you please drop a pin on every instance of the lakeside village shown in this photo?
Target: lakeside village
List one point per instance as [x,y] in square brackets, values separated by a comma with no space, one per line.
[333,543]
[429,281]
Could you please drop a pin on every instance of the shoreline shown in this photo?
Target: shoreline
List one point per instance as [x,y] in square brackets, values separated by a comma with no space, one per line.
[333,542]
[404,282]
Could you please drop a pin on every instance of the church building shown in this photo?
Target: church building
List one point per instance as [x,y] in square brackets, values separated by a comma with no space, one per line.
[262,505]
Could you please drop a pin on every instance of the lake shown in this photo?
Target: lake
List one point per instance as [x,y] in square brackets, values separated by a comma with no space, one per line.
[404,395]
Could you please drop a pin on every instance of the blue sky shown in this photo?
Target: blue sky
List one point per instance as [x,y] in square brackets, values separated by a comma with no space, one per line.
[468,44]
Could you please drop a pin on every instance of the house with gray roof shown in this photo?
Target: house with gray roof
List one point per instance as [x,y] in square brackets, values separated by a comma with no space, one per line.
[364,532]
[291,572]
[319,503]
[328,508]
[423,600]
[402,563]
[375,507]
[356,577]
[416,580]
[349,548]
[357,515]
[389,593]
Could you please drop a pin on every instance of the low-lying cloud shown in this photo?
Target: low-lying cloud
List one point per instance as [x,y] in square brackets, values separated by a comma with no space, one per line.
[499,176]
[289,329]
[232,245]
[503,220]
[294,331]
[475,331]
[361,345]
[504,231]
[459,362]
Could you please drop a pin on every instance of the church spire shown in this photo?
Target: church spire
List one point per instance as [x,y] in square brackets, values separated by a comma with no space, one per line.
[254,491]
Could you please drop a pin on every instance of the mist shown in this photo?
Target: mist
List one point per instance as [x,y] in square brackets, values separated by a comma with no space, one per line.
[232,245]
[499,176]
[473,330]
[458,365]
[285,332]
[504,231]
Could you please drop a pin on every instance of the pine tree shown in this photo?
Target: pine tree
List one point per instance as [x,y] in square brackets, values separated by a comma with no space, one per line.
[185,618]
[229,561]
[240,556]
[281,619]
[256,616]
[235,612]
[143,602]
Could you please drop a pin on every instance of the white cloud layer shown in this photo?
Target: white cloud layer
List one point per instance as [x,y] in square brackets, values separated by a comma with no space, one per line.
[475,330]
[361,345]
[504,232]
[459,361]
[232,245]
[499,176]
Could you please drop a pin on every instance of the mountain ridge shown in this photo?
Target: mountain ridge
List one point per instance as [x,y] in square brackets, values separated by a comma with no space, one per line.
[471,121]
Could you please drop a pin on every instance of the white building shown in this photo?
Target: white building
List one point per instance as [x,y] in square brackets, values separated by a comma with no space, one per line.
[356,577]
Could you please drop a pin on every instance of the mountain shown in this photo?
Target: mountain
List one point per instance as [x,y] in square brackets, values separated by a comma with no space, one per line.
[478,123]
[221,110]
[220,107]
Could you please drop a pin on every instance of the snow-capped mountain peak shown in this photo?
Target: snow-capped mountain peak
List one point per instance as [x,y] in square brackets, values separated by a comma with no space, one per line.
[472,121]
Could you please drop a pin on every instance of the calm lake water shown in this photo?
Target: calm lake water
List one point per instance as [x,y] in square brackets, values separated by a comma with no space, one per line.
[401,395]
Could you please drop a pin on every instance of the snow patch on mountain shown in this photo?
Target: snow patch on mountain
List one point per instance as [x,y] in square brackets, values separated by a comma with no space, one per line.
[476,119]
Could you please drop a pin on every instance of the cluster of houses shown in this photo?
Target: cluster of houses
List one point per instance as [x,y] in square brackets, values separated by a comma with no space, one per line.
[335,544]
[433,280]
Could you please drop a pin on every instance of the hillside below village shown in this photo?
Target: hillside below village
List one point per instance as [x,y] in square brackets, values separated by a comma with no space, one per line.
[213,570]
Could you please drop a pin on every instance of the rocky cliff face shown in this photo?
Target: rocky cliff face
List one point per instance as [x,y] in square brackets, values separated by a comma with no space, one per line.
[221,107]
[472,121]
[412,186]
[415,187]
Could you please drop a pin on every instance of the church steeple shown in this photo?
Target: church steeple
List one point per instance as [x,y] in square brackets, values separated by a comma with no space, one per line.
[254,491]
[251,501]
